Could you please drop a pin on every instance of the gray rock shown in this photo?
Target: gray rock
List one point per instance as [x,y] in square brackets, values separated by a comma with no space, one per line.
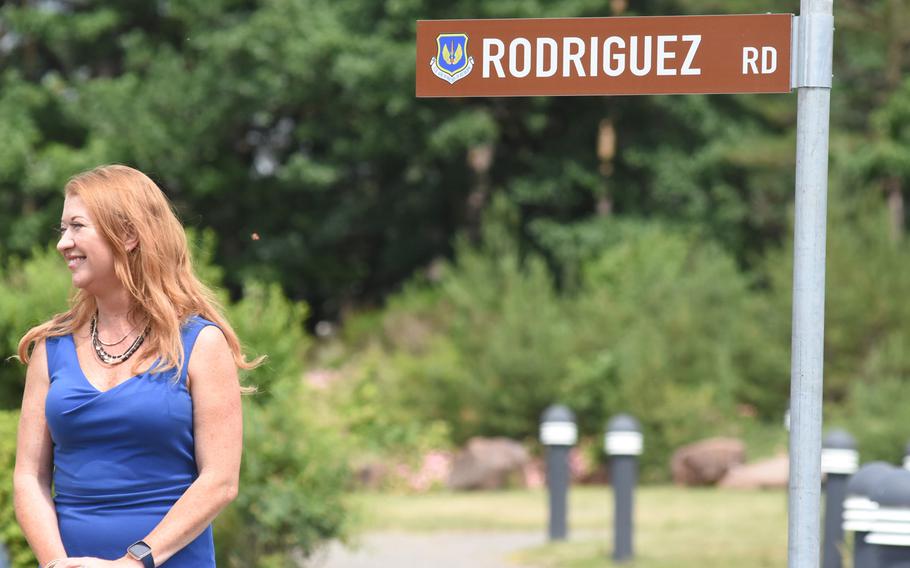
[707,461]
[772,473]
[488,463]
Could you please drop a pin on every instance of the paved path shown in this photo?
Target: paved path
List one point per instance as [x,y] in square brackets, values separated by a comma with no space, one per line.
[445,549]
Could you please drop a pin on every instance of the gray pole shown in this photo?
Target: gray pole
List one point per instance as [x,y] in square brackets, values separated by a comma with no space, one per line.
[558,433]
[860,511]
[907,456]
[890,532]
[623,443]
[839,461]
[813,79]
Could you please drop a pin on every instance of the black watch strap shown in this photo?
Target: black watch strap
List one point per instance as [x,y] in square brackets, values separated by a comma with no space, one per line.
[142,552]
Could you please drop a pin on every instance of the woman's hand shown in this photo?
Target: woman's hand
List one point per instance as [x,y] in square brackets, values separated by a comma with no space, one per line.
[125,561]
[71,562]
[91,562]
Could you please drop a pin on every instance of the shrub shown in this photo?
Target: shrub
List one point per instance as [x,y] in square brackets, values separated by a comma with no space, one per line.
[660,323]
[489,353]
[866,365]
[270,324]
[30,292]
[874,416]
[292,481]
[295,465]
[660,333]
[380,398]
[10,534]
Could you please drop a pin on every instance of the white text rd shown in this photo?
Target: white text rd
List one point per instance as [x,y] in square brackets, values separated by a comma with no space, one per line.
[759,61]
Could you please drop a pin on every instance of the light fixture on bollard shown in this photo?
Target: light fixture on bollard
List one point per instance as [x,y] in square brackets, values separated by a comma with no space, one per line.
[558,433]
[860,510]
[890,532]
[623,442]
[840,460]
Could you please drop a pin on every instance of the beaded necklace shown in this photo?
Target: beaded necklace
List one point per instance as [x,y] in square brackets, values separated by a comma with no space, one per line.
[106,357]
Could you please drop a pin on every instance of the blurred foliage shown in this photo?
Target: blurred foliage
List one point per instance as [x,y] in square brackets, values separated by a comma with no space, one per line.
[867,278]
[871,417]
[659,321]
[11,537]
[867,362]
[295,466]
[665,329]
[295,120]
[380,416]
[272,325]
[662,324]
[31,291]
[292,480]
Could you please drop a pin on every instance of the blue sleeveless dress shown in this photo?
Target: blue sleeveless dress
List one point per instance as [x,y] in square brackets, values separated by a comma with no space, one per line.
[122,457]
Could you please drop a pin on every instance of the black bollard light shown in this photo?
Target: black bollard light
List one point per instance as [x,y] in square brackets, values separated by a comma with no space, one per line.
[623,442]
[890,532]
[839,461]
[860,511]
[558,433]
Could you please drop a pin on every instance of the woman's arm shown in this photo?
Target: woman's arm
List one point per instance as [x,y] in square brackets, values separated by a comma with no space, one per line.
[218,431]
[34,465]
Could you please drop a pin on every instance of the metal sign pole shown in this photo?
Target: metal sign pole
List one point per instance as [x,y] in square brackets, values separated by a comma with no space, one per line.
[813,79]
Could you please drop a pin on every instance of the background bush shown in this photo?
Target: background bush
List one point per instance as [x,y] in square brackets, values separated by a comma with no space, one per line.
[659,322]
[31,291]
[648,318]
[11,536]
[292,480]
[295,466]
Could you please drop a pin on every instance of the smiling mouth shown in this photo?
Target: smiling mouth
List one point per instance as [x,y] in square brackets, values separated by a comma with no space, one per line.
[74,262]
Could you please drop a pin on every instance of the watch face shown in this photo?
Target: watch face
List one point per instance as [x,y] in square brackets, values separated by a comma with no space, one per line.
[140,550]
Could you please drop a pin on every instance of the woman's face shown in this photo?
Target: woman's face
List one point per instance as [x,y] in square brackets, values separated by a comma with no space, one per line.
[88,256]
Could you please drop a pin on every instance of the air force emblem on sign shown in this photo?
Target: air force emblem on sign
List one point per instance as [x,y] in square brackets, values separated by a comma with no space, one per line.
[451,62]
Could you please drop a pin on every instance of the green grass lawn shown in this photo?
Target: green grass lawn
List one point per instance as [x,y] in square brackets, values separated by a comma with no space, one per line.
[678,528]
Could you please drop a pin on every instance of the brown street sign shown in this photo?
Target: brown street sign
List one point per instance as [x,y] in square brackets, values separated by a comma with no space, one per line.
[604,56]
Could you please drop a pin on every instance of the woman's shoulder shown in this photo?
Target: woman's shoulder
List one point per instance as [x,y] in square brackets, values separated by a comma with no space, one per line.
[195,323]
[49,346]
[196,327]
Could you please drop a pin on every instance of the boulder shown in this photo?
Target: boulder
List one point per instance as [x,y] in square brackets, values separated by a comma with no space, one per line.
[773,473]
[707,461]
[488,463]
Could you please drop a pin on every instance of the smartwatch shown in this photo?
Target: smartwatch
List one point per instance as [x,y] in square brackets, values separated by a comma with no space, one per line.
[142,552]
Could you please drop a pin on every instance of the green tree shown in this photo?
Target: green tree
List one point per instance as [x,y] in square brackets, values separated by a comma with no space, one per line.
[295,120]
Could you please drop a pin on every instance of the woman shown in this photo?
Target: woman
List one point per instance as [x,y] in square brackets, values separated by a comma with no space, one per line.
[132,398]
